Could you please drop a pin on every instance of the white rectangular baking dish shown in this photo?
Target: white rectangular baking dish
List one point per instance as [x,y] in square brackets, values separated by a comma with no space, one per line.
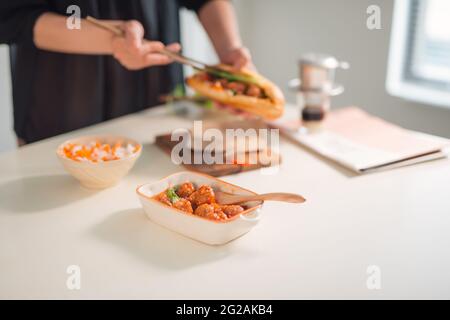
[198,228]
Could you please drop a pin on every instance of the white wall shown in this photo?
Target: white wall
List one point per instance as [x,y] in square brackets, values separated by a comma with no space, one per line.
[279,31]
[195,41]
[7,139]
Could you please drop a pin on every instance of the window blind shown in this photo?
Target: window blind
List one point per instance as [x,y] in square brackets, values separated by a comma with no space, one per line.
[429,43]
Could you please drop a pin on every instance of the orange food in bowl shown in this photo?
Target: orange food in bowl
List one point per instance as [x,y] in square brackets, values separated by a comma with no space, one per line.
[99,152]
[99,161]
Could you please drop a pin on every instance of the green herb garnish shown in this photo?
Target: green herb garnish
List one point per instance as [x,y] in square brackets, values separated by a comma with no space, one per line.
[208,104]
[172,195]
[231,76]
[179,91]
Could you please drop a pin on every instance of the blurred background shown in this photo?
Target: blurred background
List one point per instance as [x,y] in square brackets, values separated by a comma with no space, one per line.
[278,32]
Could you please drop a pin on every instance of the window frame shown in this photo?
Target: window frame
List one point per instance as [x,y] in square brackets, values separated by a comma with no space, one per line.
[400,81]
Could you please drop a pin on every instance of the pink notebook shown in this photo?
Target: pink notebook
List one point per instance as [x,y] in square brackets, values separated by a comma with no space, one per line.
[363,143]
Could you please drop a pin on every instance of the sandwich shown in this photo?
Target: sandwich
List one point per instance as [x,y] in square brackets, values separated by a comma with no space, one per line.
[244,89]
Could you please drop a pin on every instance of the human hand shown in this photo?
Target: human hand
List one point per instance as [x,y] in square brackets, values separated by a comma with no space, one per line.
[134,52]
[238,57]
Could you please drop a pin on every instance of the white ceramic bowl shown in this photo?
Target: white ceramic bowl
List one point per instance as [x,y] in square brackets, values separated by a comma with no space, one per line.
[198,228]
[102,174]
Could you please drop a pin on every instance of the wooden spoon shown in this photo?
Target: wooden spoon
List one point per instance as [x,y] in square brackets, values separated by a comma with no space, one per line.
[229,198]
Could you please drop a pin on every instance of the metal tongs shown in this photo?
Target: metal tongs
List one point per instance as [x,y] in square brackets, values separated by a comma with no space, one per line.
[197,65]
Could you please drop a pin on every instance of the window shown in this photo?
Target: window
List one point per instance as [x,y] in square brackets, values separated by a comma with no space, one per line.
[419,59]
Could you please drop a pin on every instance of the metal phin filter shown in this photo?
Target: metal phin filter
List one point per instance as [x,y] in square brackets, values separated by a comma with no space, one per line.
[316,85]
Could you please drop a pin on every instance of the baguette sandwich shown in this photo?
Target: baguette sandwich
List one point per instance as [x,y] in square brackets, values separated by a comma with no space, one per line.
[245,90]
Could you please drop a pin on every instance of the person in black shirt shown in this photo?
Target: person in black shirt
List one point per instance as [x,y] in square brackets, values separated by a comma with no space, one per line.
[64,79]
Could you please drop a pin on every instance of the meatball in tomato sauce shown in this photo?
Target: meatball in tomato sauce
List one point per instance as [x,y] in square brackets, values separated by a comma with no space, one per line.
[253,91]
[162,197]
[209,211]
[204,194]
[183,205]
[185,190]
[232,210]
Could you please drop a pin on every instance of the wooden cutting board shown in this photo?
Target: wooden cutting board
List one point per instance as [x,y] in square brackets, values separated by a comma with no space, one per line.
[217,170]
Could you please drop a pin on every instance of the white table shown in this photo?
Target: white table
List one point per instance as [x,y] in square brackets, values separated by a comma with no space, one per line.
[397,220]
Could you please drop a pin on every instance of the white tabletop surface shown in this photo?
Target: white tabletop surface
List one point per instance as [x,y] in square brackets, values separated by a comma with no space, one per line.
[397,220]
